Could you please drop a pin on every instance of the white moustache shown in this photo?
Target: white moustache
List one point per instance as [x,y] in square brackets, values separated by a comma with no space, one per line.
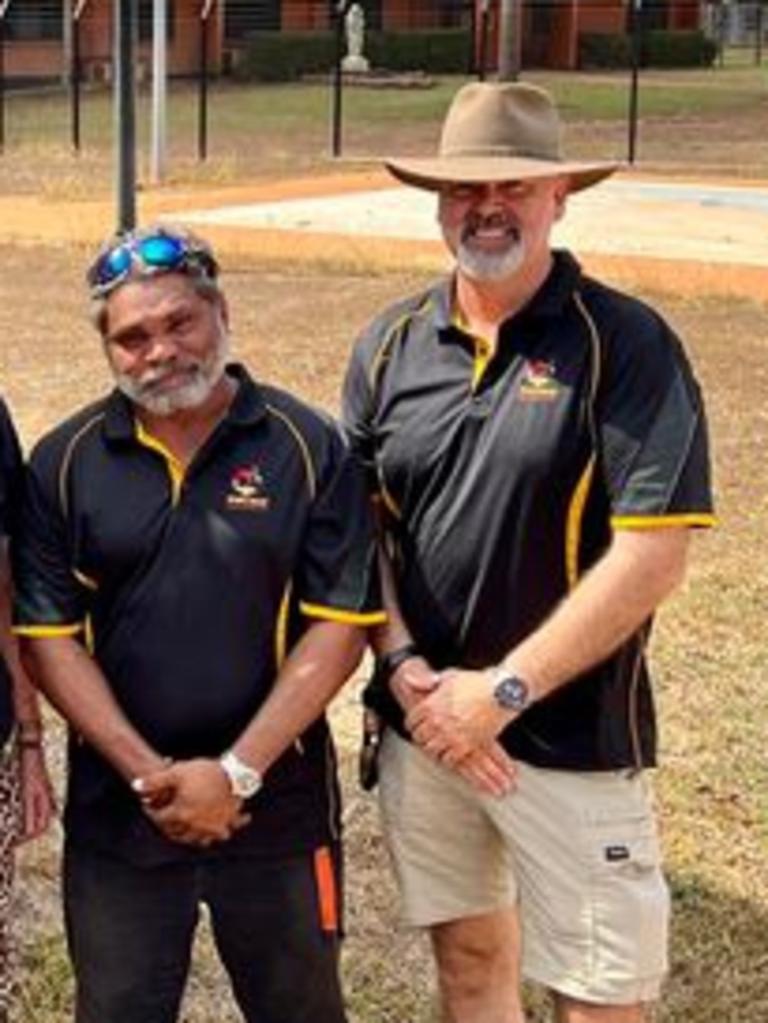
[494,224]
[160,373]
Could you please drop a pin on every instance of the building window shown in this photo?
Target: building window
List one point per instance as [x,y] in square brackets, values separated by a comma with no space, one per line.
[146,8]
[34,19]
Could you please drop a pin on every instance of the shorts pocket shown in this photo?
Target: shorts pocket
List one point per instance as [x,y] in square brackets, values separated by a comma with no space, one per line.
[630,900]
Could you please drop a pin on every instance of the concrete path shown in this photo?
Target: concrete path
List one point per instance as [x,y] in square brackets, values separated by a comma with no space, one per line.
[694,238]
[626,216]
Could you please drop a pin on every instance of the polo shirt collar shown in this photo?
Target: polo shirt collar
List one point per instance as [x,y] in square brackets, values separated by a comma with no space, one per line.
[247,407]
[563,280]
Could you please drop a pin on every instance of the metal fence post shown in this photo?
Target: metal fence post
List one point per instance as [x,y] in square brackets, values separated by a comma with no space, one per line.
[4,5]
[202,110]
[759,33]
[125,115]
[636,29]
[75,72]
[485,15]
[339,13]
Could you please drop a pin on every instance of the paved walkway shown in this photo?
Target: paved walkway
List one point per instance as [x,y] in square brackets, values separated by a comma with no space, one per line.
[686,236]
[628,217]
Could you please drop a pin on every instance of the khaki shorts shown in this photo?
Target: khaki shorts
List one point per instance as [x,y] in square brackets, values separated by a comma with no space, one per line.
[577,851]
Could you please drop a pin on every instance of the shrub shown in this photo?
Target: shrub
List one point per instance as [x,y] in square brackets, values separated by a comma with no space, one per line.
[604,50]
[438,50]
[283,56]
[659,48]
[678,49]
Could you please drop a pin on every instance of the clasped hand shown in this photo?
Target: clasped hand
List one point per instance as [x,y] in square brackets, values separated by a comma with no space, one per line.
[191,801]
[452,717]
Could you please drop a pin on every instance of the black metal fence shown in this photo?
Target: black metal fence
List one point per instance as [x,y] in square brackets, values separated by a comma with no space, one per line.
[738,26]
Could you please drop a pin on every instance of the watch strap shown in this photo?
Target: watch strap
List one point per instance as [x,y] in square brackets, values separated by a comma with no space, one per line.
[244,779]
[389,662]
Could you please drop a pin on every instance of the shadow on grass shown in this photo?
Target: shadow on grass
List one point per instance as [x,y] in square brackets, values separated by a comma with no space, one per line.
[719,955]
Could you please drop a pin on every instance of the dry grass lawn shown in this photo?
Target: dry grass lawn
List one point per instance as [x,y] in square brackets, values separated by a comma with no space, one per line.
[706,121]
[294,326]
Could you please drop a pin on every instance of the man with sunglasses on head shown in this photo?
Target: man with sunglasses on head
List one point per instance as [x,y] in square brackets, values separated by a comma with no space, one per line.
[194,579]
[537,445]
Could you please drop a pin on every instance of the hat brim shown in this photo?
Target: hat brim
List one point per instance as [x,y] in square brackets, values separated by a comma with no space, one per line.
[438,172]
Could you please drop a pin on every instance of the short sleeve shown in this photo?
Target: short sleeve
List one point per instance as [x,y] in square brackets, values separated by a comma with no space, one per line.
[50,601]
[10,473]
[357,410]
[653,432]
[338,575]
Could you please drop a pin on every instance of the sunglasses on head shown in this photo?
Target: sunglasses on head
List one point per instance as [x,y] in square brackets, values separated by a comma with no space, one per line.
[158,252]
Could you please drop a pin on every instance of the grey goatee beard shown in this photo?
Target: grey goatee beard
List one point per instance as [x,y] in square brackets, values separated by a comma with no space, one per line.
[490,266]
[191,394]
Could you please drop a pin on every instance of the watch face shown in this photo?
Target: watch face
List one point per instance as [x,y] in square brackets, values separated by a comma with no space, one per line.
[511,693]
[247,784]
[245,781]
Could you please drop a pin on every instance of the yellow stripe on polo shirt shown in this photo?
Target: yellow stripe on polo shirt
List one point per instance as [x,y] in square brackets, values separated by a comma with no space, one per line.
[574,521]
[173,464]
[281,629]
[702,519]
[47,631]
[483,348]
[336,614]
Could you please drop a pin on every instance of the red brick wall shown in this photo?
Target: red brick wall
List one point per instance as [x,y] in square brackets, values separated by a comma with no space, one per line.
[399,14]
[684,15]
[602,16]
[34,59]
[304,15]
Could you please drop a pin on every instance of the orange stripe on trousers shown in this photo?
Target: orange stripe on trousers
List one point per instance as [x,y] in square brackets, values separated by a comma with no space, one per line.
[325,877]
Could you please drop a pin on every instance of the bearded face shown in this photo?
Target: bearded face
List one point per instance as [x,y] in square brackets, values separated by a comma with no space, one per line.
[166,343]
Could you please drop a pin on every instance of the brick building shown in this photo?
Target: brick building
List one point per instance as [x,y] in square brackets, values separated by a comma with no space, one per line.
[38,34]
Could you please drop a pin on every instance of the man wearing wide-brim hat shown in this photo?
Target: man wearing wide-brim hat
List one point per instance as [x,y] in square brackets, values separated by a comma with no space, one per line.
[538,448]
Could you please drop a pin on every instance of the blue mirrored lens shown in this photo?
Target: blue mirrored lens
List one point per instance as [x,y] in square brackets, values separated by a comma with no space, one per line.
[161,250]
[115,264]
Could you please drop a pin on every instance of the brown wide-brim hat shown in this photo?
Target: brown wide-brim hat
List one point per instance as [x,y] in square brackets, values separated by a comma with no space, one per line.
[499,131]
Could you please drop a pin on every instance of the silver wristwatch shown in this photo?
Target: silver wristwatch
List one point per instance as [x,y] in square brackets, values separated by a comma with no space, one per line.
[245,781]
[510,691]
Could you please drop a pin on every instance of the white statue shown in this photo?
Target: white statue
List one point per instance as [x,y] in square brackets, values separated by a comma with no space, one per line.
[354,26]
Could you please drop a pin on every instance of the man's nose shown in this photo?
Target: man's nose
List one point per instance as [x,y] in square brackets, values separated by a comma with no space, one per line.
[161,348]
[491,197]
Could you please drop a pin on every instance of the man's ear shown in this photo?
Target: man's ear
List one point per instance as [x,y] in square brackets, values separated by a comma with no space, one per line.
[223,308]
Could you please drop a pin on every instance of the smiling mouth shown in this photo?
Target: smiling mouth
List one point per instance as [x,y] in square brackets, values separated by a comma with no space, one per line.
[170,381]
[493,235]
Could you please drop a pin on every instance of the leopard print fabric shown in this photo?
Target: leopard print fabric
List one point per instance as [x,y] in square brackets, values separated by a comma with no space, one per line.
[10,817]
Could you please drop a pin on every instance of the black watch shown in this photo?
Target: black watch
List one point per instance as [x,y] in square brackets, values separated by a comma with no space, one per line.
[389,662]
[510,691]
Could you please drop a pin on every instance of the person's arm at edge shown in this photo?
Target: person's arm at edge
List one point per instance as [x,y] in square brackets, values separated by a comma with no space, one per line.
[37,802]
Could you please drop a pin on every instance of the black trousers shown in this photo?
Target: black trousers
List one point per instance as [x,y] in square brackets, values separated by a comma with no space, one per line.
[130,933]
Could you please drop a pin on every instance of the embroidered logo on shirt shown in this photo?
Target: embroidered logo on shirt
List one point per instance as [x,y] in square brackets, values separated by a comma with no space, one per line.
[539,382]
[247,491]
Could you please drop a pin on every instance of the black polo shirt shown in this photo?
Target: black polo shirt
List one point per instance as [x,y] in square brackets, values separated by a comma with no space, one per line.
[189,589]
[10,492]
[504,480]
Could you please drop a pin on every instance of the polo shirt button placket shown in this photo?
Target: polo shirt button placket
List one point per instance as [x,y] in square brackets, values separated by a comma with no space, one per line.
[481,403]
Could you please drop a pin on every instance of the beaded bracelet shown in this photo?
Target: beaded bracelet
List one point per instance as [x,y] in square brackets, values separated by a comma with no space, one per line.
[29,739]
